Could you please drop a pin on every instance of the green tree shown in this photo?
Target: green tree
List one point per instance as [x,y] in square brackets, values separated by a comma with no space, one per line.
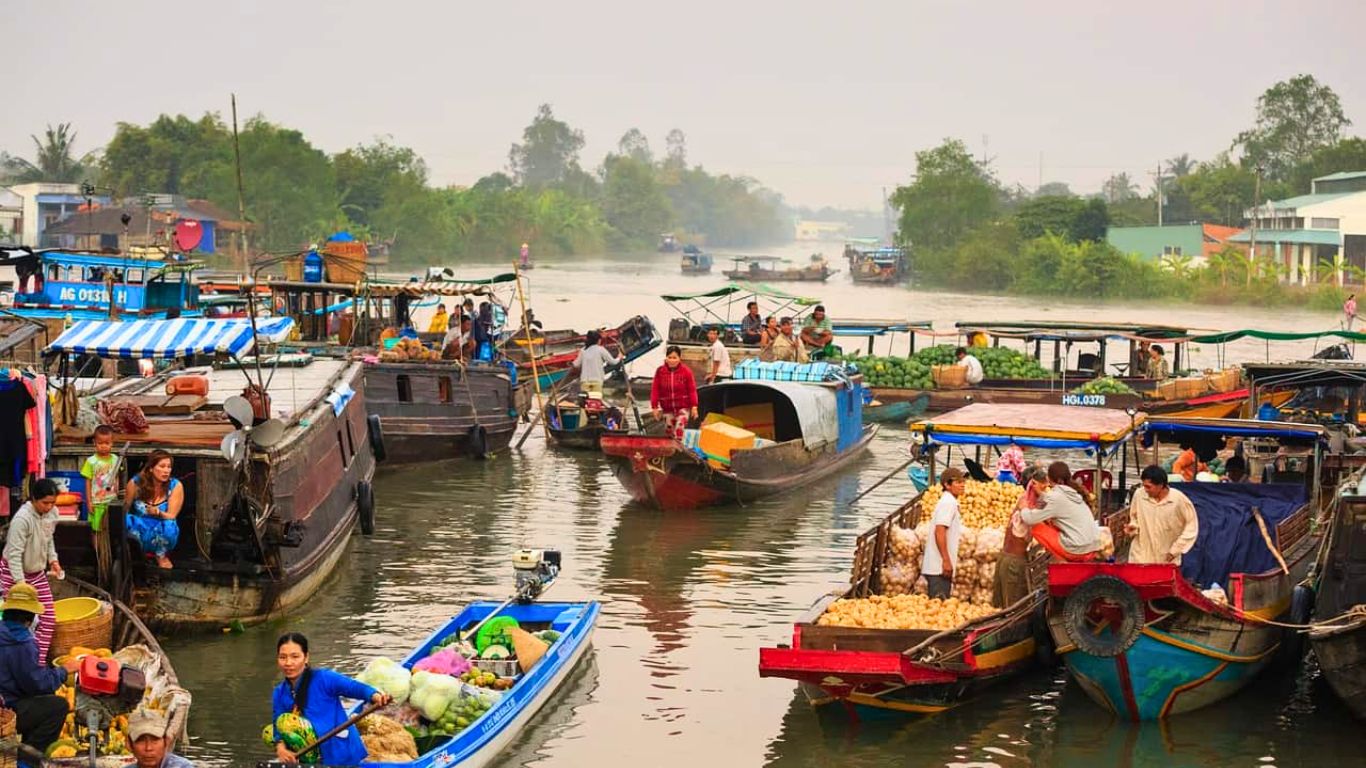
[1219,190]
[548,153]
[368,176]
[633,203]
[54,159]
[1090,222]
[985,260]
[1346,155]
[1119,188]
[1051,213]
[950,196]
[1054,189]
[634,145]
[1295,118]
[174,155]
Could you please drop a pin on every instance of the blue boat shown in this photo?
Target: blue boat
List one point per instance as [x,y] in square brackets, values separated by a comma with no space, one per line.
[60,284]
[483,740]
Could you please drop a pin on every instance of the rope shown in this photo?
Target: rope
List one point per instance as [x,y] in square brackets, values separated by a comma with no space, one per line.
[465,375]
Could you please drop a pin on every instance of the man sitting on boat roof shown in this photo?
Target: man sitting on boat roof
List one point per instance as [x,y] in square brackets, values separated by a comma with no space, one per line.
[817,332]
[752,326]
[787,347]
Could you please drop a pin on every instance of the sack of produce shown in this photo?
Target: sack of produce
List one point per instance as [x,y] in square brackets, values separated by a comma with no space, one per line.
[445,661]
[433,693]
[389,676]
[904,547]
[1107,542]
[989,543]
[386,740]
[899,578]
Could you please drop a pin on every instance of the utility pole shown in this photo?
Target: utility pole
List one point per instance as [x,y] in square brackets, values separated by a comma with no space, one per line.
[1039,186]
[1157,182]
[1252,230]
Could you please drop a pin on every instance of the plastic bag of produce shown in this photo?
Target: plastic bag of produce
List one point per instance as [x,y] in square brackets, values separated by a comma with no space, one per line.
[904,545]
[989,543]
[986,577]
[445,661]
[899,578]
[389,676]
[404,714]
[433,693]
[1107,542]
[386,740]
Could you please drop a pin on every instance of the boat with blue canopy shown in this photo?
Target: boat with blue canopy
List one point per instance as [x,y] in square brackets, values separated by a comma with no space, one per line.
[773,428]
[695,261]
[60,284]
[1151,640]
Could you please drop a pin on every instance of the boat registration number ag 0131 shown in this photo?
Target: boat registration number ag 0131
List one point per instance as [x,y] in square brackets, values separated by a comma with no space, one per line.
[1084,400]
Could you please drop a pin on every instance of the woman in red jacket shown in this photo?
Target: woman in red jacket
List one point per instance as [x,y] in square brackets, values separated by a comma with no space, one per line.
[673,395]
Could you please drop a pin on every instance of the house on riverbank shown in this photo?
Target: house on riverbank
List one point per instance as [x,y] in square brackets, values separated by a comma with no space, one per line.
[1195,242]
[1304,233]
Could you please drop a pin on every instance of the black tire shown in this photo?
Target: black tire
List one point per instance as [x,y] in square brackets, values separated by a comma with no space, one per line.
[1122,597]
[1045,652]
[1301,612]
[365,507]
[376,437]
[478,441]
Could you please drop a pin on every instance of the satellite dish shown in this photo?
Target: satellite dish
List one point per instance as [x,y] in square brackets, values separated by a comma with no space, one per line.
[188,233]
[234,447]
[268,433]
[239,410]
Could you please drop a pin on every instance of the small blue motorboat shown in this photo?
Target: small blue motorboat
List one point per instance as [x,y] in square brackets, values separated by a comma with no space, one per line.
[482,741]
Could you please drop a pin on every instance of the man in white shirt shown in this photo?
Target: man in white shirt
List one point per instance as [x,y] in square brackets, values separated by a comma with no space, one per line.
[591,365]
[719,356]
[974,366]
[941,551]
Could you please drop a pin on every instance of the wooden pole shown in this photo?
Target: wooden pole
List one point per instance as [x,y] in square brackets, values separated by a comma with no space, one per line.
[241,201]
[531,350]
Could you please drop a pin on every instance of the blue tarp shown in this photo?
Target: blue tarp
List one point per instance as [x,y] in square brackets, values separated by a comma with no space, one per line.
[950,438]
[1255,430]
[1229,541]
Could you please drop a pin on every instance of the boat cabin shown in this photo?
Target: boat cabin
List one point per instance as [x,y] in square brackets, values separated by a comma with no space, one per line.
[60,283]
[1090,362]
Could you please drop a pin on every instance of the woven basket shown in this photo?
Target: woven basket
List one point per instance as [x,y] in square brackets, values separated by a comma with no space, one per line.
[9,737]
[949,376]
[92,632]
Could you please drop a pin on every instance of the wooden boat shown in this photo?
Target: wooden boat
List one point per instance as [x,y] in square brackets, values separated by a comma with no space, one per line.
[483,740]
[865,671]
[262,525]
[883,265]
[633,339]
[1338,637]
[1145,640]
[810,430]
[755,268]
[694,261]
[57,284]
[901,411]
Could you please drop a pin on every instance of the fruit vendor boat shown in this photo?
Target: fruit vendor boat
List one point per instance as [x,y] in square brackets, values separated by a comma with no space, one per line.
[869,672]
[481,742]
[774,268]
[791,425]
[879,265]
[273,482]
[1147,641]
[725,307]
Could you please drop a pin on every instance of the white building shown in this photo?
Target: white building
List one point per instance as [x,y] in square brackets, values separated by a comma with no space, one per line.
[11,212]
[1301,233]
[45,203]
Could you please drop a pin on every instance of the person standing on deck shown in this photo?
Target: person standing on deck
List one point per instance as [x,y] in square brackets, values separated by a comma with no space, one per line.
[591,364]
[1012,570]
[751,326]
[941,551]
[31,554]
[1349,310]
[1157,364]
[1162,521]
[1138,363]
[787,347]
[673,393]
[440,320]
[718,357]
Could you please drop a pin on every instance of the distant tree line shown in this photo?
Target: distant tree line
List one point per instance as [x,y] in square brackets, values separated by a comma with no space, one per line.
[295,193]
[968,231]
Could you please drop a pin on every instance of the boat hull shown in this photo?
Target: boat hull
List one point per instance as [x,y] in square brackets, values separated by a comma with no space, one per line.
[588,438]
[902,410]
[660,472]
[429,411]
[1342,659]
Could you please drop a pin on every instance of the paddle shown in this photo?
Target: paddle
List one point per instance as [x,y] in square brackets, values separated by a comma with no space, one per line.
[530,428]
[906,463]
[356,718]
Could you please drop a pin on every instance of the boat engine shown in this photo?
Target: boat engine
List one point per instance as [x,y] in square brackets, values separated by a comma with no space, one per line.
[534,569]
[105,689]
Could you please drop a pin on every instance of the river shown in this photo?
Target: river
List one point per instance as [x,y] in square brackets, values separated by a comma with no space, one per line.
[689,598]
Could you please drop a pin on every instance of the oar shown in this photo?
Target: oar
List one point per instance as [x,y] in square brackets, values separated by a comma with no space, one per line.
[356,718]
[1266,537]
[906,463]
[531,427]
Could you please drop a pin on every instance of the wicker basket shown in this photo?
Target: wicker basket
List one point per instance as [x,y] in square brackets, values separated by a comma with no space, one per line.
[345,262]
[92,632]
[9,739]
[949,376]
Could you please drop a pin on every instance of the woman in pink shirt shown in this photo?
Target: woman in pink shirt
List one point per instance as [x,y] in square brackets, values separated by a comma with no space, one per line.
[1349,308]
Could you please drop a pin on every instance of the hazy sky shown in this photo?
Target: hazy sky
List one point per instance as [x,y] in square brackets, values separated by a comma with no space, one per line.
[826,102]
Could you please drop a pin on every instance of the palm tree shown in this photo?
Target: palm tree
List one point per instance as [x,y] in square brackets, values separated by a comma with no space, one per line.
[1179,265]
[1181,165]
[1222,261]
[1328,270]
[1119,187]
[55,160]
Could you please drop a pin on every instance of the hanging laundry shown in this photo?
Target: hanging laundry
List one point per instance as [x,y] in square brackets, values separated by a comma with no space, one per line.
[16,401]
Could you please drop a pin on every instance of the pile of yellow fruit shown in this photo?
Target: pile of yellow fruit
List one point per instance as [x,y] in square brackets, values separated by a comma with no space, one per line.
[982,505]
[902,612]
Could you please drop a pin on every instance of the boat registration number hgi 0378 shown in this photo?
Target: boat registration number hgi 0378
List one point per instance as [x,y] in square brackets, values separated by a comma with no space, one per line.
[1089,400]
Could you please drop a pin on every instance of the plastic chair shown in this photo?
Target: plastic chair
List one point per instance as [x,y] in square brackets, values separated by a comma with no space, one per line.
[1087,479]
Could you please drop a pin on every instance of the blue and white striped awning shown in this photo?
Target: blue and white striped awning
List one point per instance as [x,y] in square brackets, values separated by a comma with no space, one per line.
[183,337]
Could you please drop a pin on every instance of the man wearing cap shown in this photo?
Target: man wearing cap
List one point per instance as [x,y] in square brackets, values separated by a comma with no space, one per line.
[786,347]
[941,551]
[147,735]
[26,686]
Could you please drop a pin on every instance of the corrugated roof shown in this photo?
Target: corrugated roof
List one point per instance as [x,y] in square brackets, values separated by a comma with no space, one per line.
[1341,175]
[1297,236]
[1302,200]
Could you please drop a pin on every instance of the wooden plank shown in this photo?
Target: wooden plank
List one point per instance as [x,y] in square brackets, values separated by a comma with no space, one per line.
[167,405]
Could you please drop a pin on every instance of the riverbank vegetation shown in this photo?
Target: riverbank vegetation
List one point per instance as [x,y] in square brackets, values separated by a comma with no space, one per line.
[969,232]
[295,193]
